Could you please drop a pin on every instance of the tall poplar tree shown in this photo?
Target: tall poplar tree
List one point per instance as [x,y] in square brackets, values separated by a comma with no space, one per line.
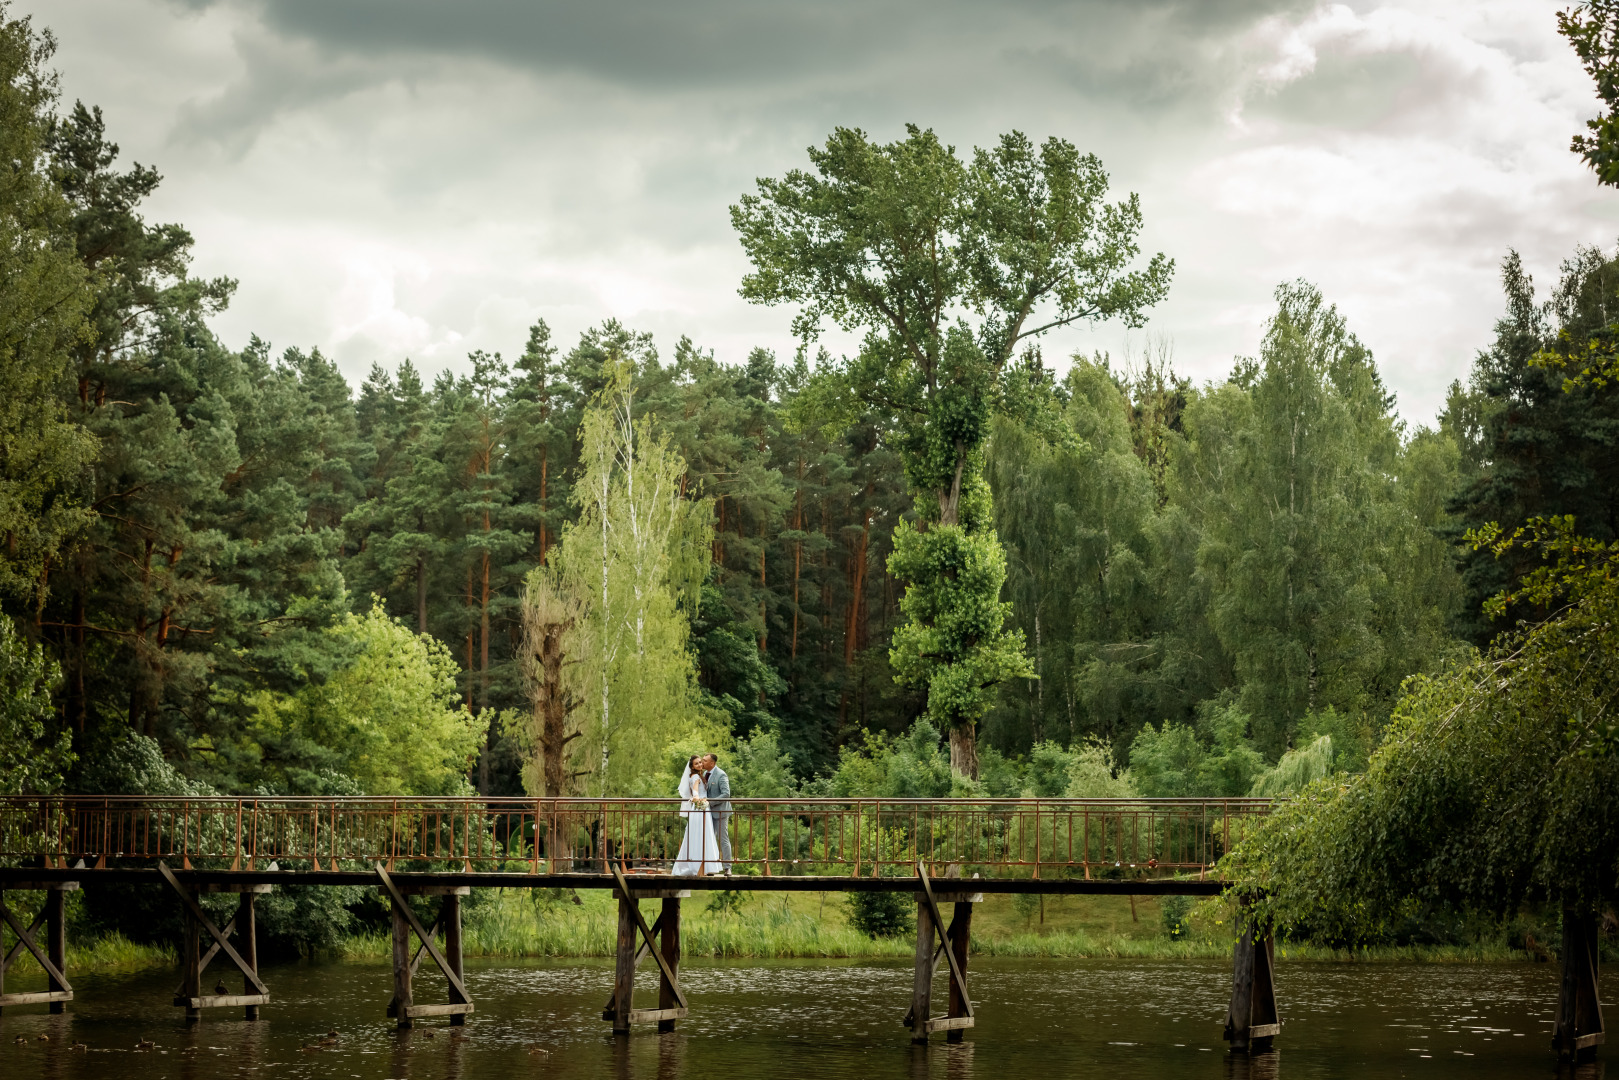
[948,268]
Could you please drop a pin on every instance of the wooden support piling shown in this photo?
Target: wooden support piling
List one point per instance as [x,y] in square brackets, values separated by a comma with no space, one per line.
[52,958]
[636,941]
[961,924]
[624,973]
[399,1007]
[194,961]
[247,920]
[450,919]
[952,944]
[922,979]
[191,967]
[670,944]
[1578,1030]
[403,1007]
[56,936]
[1252,1022]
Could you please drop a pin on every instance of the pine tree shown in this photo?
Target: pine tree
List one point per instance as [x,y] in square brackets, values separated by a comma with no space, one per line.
[45,296]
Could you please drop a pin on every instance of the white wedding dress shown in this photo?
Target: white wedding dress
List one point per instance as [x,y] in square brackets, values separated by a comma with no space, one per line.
[699,852]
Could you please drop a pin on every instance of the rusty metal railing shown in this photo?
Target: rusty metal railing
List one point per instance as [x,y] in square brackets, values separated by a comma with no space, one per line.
[860,837]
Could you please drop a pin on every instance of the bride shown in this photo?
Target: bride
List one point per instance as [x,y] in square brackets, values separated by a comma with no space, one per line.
[698,849]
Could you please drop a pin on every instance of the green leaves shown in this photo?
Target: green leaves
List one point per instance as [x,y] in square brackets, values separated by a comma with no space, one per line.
[1592,28]
[955,643]
[948,268]
[45,296]
[31,761]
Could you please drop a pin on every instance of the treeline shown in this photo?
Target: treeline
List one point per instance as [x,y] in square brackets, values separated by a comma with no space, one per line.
[290,584]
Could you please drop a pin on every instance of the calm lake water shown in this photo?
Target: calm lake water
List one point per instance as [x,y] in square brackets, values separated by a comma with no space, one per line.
[1036,1018]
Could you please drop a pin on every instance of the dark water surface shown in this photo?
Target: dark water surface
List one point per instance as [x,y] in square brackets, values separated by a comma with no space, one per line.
[1045,1019]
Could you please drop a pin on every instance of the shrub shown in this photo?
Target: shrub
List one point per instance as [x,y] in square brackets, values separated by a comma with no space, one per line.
[880,914]
[1177,915]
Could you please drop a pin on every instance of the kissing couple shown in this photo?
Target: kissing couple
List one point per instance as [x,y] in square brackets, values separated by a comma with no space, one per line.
[705,803]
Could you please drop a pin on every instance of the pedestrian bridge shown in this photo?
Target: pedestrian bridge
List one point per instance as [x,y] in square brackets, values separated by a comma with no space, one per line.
[943,851]
[1029,839]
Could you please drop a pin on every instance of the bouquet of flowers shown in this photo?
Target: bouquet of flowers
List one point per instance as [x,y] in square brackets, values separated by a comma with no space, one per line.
[699,803]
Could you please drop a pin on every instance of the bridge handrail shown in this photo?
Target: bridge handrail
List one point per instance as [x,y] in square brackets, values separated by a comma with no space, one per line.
[868,835]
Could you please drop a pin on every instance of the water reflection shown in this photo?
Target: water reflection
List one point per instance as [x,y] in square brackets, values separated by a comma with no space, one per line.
[671,1051]
[1266,1066]
[1091,1020]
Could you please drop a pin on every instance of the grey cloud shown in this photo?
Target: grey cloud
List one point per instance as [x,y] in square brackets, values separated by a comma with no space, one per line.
[725,42]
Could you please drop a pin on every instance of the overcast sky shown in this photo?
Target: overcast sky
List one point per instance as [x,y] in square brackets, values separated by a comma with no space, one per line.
[392,178]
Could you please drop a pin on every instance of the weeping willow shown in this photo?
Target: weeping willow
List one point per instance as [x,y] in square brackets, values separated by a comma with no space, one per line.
[1497,782]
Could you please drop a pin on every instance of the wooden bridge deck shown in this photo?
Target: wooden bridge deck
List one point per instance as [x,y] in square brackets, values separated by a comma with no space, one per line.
[16,877]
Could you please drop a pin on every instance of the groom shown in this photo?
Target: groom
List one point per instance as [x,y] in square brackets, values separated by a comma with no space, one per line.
[719,806]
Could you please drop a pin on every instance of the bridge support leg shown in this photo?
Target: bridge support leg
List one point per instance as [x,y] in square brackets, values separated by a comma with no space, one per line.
[669,945]
[922,984]
[624,972]
[53,957]
[1252,1022]
[247,921]
[450,919]
[56,936]
[194,961]
[403,968]
[961,924]
[1579,1030]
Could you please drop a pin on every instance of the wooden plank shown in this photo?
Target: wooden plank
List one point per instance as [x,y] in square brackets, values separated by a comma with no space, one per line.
[58,980]
[213,951]
[36,999]
[1581,1043]
[416,957]
[949,1023]
[454,1008]
[421,932]
[646,933]
[599,880]
[17,946]
[650,1016]
[213,931]
[221,1001]
[36,886]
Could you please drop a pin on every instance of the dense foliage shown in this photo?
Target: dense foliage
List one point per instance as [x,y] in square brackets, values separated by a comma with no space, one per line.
[1494,785]
[227,569]
[948,269]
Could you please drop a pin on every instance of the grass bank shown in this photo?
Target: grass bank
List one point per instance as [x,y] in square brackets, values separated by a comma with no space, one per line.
[513,924]
[111,953]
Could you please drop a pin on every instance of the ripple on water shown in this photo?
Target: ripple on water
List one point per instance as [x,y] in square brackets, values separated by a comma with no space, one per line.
[1117,1019]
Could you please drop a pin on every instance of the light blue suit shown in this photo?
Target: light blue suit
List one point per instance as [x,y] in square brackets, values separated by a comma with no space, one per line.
[719,805]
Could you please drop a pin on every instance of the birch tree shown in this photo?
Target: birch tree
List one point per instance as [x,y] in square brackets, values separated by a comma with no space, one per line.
[636,556]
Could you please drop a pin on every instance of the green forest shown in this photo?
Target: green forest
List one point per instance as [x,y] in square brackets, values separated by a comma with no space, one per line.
[947,565]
